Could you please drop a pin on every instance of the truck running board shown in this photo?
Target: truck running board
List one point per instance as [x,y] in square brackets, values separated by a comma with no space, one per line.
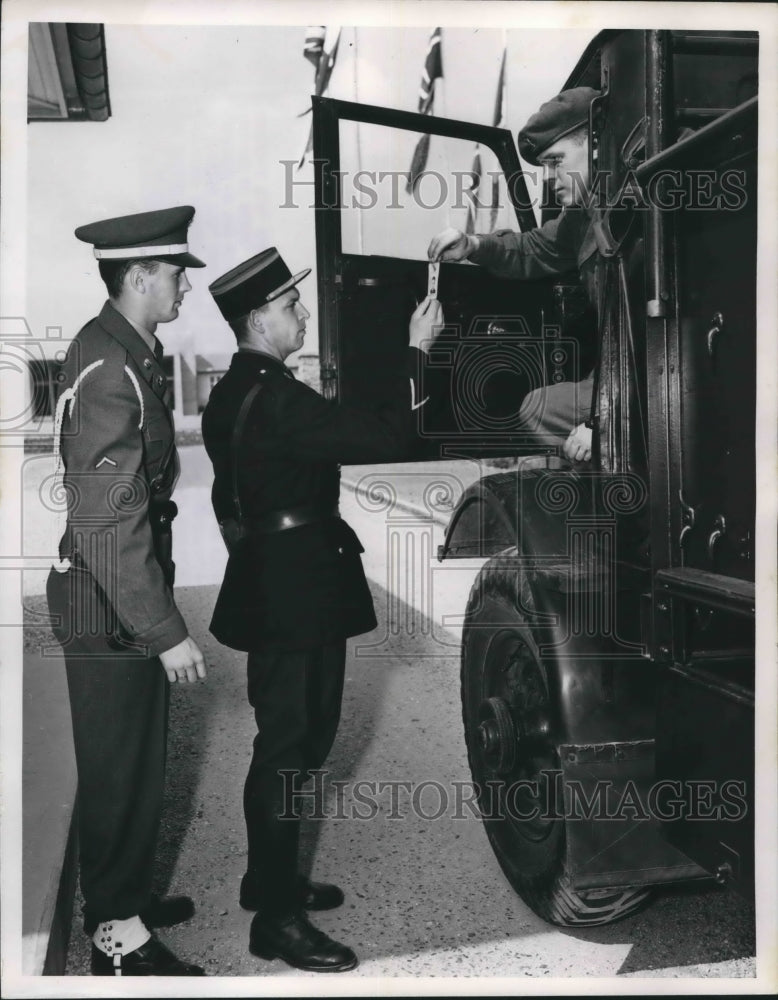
[710,589]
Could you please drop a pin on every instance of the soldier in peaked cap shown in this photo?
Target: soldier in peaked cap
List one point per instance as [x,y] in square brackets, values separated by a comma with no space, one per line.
[294,588]
[556,137]
[111,593]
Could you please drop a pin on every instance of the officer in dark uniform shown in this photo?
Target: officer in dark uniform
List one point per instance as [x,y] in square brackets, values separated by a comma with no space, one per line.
[111,593]
[294,588]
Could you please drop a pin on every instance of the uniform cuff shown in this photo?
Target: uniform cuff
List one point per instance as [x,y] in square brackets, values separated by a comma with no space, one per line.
[483,252]
[165,634]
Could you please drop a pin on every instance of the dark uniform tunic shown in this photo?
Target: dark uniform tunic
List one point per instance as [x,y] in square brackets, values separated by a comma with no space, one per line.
[291,597]
[112,603]
[305,586]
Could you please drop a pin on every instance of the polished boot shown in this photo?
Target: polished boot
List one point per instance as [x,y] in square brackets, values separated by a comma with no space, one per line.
[151,959]
[297,942]
[310,895]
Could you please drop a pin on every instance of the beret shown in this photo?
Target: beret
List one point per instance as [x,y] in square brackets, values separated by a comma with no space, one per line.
[159,235]
[562,114]
[253,283]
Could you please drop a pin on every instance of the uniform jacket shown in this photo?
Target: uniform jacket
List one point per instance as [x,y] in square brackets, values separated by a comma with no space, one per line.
[305,585]
[559,246]
[116,438]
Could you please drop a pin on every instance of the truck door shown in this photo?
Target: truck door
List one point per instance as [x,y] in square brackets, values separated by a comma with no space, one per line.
[372,233]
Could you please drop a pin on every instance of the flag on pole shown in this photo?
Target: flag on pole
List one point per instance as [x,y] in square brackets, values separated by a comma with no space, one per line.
[320,49]
[433,70]
[314,44]
[498,121]
[472,193]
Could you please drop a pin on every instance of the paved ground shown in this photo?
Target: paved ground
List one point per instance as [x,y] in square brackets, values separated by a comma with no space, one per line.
[424,897]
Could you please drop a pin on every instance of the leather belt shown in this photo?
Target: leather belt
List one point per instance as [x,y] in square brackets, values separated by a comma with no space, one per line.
[283,520]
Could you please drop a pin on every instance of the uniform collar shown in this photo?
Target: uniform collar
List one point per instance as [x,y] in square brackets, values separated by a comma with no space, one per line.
[146,336]
[144,357]
[251,358]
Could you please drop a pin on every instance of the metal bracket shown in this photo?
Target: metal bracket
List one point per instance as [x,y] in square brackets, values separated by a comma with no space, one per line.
[328,374]
[633,150]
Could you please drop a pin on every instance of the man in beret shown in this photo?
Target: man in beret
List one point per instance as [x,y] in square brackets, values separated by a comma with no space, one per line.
[557,138]
[111,592]
[294,588]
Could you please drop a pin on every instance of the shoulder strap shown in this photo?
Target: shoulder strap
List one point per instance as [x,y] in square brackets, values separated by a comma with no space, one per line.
[240,423]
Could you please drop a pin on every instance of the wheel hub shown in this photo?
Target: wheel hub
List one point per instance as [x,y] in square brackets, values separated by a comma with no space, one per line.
[497,735]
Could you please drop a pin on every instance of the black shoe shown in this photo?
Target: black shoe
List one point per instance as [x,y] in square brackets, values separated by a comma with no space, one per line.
[167,912]
[151,959]
[298,943]
[311,895]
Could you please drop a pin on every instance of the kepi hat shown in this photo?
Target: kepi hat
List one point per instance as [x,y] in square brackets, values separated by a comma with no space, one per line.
[254,283]
[160,235]
[556,118]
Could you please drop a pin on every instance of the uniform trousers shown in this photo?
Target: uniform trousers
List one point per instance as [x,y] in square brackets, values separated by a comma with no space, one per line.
[552,411]
[296,697]
[119,708]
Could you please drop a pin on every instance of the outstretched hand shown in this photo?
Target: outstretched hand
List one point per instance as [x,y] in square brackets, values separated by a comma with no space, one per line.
[426,323]
[451,244]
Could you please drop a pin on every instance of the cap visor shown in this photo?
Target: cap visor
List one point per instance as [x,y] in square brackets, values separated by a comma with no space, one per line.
[182,260]
[288,284]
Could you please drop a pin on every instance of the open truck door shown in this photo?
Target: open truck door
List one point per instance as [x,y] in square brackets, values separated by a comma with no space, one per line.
[372,235]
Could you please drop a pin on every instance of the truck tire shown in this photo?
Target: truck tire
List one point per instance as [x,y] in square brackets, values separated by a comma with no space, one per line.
[510,731]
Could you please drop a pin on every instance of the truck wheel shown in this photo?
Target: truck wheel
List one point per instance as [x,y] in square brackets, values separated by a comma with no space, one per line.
[510,730]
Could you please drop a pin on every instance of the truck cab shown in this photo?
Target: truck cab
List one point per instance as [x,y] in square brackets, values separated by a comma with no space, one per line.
[609,638]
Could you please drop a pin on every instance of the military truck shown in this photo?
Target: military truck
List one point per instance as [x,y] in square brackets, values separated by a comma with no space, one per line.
[607,663]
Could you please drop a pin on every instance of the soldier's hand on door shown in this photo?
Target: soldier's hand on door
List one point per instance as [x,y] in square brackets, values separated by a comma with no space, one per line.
[451,244]
[183,662]
[578,447]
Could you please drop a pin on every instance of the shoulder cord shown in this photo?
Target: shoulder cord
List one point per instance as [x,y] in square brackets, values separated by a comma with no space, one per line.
[65,404]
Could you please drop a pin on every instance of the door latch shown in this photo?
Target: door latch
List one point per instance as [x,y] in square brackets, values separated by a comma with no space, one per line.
[688,519]
[716,326]
[719,530]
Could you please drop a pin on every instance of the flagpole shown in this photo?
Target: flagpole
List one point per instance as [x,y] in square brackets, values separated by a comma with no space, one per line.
[360,233]
[440,88]
[505,83]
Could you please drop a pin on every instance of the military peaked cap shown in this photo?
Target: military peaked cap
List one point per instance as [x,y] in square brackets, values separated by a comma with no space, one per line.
[556,118]
[158,235]
[253,283]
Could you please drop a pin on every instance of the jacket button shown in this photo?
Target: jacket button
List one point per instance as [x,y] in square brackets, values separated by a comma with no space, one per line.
[340,549]
[147,362]
[160,379]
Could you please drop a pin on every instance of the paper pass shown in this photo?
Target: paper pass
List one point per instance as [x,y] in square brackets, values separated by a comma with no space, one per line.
[432,279]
